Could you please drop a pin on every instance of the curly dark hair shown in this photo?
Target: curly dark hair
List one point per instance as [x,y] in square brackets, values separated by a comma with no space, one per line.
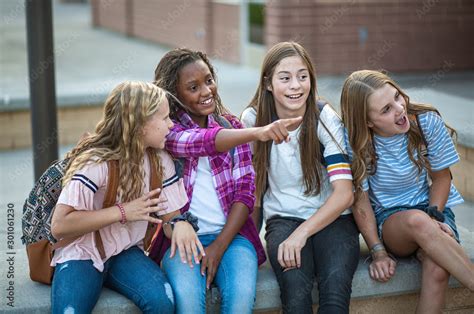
[167,76]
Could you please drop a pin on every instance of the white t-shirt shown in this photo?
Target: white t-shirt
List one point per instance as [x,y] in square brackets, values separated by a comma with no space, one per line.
[285,193]
[205,204]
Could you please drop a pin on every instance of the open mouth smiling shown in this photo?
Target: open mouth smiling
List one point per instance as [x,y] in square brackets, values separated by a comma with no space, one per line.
[294,96]
[207,101]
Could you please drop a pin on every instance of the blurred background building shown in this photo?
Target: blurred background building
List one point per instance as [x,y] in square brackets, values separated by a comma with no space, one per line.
[341,35]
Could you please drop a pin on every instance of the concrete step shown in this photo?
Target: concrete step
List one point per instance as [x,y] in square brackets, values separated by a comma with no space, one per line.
[30,297]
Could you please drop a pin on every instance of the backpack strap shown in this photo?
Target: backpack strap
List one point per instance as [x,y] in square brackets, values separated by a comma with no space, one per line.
[424,146]
[109,201]
[155,182]
[320,103]
[224,122]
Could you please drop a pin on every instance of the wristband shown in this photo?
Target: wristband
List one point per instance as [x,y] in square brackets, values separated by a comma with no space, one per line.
[187,216]
[433,212]
[123,220]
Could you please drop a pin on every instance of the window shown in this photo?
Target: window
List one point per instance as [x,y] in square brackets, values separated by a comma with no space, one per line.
[256,21]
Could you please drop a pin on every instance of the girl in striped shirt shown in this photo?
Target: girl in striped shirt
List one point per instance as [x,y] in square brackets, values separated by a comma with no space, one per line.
[401,153]
[305,185]
[132,132]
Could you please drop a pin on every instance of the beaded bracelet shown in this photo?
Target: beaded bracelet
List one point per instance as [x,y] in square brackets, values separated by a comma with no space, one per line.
[379,247]
[123,220]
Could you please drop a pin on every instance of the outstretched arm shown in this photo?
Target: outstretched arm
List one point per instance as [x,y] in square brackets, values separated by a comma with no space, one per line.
[276,131]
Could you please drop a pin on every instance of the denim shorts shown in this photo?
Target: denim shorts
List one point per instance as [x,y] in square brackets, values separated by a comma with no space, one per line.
[387,212]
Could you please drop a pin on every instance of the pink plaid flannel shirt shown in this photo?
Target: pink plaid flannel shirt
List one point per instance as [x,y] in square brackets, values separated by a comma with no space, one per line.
[187,140]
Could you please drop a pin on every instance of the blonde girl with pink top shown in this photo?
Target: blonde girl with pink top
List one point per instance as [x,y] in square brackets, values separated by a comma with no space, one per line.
[136,119]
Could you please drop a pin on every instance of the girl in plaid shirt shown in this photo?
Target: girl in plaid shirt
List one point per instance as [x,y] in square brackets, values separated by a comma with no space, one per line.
[219,183]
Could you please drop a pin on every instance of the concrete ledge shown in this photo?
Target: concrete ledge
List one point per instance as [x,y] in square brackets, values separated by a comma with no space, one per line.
[31,297]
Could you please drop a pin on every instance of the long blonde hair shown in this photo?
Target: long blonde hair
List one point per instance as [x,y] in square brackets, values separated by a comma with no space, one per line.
[119,136]
[354,107]
[264,104]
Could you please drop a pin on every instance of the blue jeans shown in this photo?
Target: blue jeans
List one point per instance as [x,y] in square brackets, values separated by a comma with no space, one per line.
[449,218]
[77,284]
[331,256]
[236,278]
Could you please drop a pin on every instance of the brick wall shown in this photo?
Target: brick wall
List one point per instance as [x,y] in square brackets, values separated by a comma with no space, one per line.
[398,35]
[72,123]
[226,32]
[463,172]
[197,24]
[181,23]
[112,14]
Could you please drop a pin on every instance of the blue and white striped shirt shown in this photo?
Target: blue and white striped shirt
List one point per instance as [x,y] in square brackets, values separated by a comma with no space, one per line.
[397,182]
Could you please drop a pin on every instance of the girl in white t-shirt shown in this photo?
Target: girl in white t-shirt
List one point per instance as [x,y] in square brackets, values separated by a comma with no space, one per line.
[397,148]
[306,186]
[132,132]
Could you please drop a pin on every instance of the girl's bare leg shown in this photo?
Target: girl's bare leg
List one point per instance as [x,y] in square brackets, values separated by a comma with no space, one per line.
[405,231]
[434,282]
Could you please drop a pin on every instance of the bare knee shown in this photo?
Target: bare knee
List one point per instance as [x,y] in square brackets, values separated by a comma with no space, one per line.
[420,223]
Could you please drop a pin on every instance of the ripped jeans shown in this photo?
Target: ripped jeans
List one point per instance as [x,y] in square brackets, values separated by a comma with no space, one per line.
[77,284]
